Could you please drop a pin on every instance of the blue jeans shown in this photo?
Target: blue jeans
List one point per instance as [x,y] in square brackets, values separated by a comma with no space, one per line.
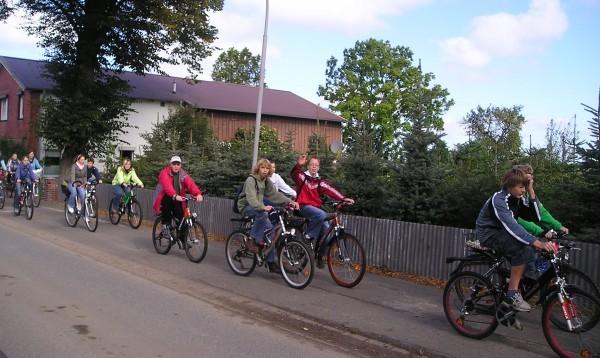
[259,227]
[317,225]
[119,192]
[79,191]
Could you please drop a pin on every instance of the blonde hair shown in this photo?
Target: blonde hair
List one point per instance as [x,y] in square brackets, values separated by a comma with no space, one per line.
[262,163]
[528,169]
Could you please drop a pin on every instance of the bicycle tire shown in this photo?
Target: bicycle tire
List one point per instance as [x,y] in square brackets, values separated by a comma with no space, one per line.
[134,214]
[296,261]
[91,213]
[161,245]
[71,219]
[29,205]
[582,340]
[347,253]
[470,293]
[237,253]
[199,242]
[37,199]
[18,208]
[114,215]
[578,278]
[2,195]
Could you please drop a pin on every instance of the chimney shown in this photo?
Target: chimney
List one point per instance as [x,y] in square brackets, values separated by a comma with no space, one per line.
[174,87]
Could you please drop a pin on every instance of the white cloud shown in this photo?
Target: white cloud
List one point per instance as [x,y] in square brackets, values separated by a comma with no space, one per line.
[507,35]
[15,41]
[347,16]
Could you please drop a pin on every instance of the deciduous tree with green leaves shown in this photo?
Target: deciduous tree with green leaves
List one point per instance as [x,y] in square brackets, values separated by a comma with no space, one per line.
[239,67]
[372,89]
[89,43]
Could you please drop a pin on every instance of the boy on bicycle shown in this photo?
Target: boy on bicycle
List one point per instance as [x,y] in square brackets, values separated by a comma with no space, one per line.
[24,173]
[497,228]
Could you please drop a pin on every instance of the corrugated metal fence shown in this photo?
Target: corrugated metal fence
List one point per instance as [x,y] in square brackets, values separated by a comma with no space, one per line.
[400,246]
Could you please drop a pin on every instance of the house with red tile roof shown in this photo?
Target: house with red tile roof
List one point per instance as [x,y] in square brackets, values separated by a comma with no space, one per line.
[228,106]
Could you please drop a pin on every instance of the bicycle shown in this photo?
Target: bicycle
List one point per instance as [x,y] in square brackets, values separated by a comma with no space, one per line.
[129,204]
[196,241]
[481,259]
[346,259]
[38,187]
[293,256]
[2,188]
[25,199]
[474,307]
[10,183]
[89,210]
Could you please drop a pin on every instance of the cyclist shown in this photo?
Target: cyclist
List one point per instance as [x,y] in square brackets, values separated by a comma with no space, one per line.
[497,228]
[310,186]
[280,184]
[11,167]
[24,173]
[125,175]
[78,180]
[93,174]
[173,185]
[257,187]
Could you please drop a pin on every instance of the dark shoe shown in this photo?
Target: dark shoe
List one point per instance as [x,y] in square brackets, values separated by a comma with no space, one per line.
[320,263]
[273,268]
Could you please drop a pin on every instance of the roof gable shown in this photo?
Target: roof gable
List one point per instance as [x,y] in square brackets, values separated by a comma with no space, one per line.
[202,94]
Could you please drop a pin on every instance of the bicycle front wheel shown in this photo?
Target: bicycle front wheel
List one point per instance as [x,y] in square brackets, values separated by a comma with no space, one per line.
[134,214]
[91,213]
[29,205]
[346,260]
[18,208]
[37,194]
[579,331]
[296,263]
[470,304]
[241,260]
[196,243]
[114,212]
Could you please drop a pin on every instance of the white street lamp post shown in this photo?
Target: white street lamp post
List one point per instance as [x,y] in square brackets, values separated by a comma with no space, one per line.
[261,88]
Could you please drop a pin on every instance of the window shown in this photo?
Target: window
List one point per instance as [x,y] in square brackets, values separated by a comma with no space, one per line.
[4,108]
[126,154]
[21,105]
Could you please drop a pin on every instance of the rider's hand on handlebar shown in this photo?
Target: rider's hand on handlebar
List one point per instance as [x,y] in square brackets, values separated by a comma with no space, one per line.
[294,205]
[564,230]
[349,201]
[179,198]
[268,208]
[546,246]
[199,198]
[550,234]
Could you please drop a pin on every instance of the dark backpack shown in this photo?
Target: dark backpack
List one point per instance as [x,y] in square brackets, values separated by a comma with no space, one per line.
[240,191]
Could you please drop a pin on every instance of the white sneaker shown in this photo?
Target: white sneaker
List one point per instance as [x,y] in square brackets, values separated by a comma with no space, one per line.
[518,303]
[70,210]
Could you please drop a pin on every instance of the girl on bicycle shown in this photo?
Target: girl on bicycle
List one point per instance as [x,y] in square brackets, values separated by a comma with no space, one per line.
[78,180]
[125,176]
[251,204]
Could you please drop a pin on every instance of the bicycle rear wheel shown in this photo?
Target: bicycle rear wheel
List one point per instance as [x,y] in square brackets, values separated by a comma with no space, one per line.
[578,335]
[134,214]
[91,213]
[71,219]
[114,212]
[470,305]
[346,260]
[297,263]
[196,243]
[162,245]
[29,205]
[240,259]
[37,194]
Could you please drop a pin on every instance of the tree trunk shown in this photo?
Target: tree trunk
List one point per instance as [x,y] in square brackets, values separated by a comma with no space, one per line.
[65,168]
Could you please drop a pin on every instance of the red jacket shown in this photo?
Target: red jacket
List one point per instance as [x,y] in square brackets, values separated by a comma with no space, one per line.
[165,187]
[309,189]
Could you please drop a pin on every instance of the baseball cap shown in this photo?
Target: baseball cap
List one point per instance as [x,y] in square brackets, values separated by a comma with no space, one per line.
[175,158]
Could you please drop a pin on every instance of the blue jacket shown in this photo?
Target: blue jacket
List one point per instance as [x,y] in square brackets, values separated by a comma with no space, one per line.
[95,173]
[500,212]
[35,164]
[25,172]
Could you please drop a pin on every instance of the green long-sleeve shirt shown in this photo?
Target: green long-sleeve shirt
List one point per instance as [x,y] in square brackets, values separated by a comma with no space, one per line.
[126,178]
[546,223]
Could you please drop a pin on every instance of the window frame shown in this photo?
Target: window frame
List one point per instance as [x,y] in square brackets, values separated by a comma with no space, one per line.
[21,106]
[4,108]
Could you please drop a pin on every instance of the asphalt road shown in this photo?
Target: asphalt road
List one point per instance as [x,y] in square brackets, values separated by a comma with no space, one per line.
[69,292]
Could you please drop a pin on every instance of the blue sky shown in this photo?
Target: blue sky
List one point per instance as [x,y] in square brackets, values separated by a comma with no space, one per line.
[541,54]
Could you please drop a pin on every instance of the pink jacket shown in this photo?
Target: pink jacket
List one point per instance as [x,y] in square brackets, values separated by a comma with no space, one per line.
[165,187]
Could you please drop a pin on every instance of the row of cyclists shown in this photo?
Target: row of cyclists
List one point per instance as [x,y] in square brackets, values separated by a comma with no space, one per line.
[18,172]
